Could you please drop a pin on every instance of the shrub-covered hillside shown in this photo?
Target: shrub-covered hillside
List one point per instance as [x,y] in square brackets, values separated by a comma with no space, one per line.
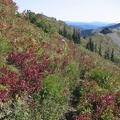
[44,75]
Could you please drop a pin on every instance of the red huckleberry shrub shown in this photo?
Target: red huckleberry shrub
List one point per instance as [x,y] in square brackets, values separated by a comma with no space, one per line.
[79,117]
[31,72]
[102,102]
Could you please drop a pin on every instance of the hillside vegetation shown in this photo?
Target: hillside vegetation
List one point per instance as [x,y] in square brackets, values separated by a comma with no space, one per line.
[109,41]
[46,74]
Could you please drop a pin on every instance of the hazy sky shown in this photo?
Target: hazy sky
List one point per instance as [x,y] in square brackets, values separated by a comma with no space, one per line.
[75,10]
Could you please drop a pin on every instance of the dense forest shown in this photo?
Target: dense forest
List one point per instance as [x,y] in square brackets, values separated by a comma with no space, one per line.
[49,72]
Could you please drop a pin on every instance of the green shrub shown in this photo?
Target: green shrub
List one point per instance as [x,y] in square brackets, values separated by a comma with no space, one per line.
[5,46]
[72,74]
[52,99]
[102,77]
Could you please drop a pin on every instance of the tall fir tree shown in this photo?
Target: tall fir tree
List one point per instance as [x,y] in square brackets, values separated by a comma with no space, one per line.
[65,31]
[107,54]
[112,56]
[100,50]
[60,32]
[76,35]
[90,45]
[96,48]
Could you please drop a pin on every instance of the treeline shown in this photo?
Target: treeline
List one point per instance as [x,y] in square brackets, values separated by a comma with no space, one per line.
[64,32]
[107,54]
[40,21]
[45,23]
[75,35]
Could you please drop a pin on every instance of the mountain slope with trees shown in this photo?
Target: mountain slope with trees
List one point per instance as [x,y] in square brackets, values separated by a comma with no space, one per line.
[46,73]
[107,37]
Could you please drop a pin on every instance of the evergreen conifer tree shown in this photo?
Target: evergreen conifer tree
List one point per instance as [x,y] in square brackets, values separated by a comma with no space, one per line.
[65,31]
[76,35]
[107,54]
[90,45]
[95,47]
[112,55]
[100,50]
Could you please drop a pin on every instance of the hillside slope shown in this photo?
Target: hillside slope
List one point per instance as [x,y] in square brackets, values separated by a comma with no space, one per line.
[46,76]
[115,37]
[109,37]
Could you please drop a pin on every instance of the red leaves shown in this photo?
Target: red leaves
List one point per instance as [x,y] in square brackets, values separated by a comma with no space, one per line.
[101,103]
[3,94]
[8,77]
[87,61]
[32,69]
[62,63]
[29,67]
[8,3]
[84,116]
[20,59]
[118,99]
[79,117]
[30,74]
[8,80]
[1,26]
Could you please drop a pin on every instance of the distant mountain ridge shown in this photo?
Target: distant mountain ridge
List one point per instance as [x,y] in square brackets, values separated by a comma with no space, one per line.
[105,34]
[89,25]
[104,29]
[115,28]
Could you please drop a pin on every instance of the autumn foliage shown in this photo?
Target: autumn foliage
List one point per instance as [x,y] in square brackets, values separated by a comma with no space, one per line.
[44,76]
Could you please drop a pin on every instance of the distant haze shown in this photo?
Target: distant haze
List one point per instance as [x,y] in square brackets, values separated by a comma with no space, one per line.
[75,10]
[88,25]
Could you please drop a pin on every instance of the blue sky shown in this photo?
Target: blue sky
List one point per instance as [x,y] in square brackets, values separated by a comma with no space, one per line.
[75,10]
